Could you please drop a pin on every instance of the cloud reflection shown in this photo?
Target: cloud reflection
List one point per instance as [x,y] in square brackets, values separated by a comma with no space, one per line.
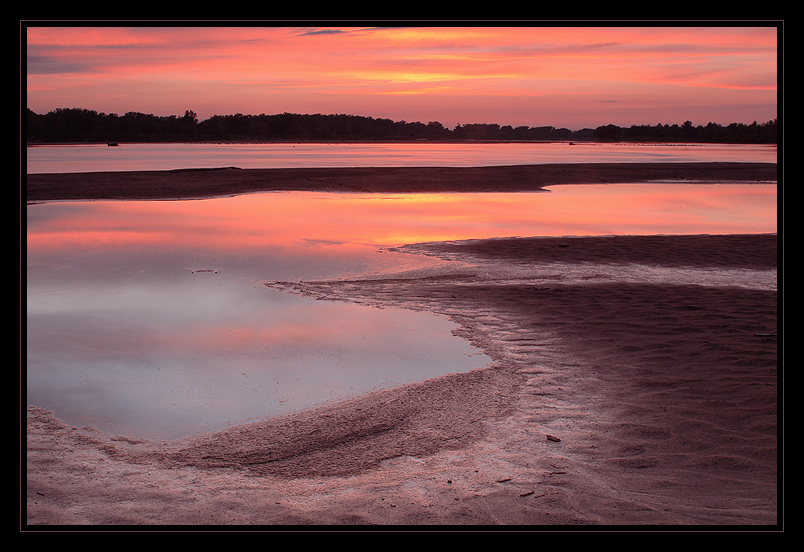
[149,319]
[312,221]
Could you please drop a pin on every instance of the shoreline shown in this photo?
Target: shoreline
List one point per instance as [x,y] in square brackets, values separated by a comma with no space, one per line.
[199,183]
[604,404]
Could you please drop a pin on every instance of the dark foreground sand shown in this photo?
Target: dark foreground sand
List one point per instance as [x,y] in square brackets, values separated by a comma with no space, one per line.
[604,404]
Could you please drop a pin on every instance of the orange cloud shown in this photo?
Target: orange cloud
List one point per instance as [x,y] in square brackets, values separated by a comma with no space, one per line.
[220,70]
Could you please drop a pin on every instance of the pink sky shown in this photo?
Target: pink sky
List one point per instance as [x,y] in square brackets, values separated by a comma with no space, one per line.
[572,77]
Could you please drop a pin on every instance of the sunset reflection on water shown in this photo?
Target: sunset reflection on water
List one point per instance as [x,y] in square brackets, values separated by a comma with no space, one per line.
[150,318]
[289,220]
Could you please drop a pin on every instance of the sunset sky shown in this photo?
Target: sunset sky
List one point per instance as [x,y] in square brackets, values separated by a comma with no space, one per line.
[573,77]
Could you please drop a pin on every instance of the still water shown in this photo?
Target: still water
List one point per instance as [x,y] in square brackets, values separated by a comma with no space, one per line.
[151,319]
[139,157]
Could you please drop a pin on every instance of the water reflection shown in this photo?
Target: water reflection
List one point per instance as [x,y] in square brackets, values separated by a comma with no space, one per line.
[153,325]
[293,222]
[150,319]
[166,361]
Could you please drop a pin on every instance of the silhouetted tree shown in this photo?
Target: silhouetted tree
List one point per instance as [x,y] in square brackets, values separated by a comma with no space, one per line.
[83,125]
[608,133]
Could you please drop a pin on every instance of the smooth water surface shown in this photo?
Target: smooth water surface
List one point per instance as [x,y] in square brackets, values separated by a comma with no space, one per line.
[151,319]
[143,157]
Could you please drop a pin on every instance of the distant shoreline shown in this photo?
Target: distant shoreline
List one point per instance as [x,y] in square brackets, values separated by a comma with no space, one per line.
[359,141]
[61,125]
[213,182]
[403,141]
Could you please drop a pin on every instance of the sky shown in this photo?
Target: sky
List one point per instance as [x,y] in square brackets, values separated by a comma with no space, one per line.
[567,77]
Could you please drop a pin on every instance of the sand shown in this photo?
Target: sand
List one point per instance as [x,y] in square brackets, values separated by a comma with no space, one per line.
[193,183]
[605,404]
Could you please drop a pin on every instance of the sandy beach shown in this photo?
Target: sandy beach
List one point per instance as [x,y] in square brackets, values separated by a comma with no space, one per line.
[605,403]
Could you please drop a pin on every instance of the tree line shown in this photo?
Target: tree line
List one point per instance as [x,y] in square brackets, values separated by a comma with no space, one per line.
[84,125]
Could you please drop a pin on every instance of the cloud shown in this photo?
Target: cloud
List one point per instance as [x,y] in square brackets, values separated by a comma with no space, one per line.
[322,32]
[220,69]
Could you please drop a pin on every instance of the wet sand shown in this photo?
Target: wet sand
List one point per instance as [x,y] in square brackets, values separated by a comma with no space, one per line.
[627,404]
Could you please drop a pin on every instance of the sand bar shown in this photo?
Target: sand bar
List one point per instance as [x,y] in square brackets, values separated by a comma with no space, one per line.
[604,404]
[194,183]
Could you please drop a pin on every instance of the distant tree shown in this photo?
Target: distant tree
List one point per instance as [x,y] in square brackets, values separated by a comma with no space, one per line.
[608,133]
[83,125]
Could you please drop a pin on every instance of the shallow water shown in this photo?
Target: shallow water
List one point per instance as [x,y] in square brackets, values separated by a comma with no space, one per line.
[164,360]
[151,319]
[150,324]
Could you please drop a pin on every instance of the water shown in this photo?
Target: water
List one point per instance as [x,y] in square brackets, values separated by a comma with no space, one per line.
[164,357]
[138,157]
[151,319]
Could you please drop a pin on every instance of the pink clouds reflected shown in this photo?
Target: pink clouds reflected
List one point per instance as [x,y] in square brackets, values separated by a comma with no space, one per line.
[298,220]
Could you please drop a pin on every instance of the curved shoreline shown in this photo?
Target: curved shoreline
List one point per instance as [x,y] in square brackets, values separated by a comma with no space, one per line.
[604,404]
